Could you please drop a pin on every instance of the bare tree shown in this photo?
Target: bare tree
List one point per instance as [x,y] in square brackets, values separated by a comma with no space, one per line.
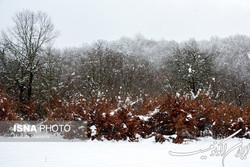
[190,68]
[24,43]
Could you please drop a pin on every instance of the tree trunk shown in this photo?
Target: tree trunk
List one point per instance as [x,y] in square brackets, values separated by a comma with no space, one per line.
[30,87]
[21,90]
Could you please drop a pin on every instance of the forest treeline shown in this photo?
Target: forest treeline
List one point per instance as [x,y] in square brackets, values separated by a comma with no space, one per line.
[31,69]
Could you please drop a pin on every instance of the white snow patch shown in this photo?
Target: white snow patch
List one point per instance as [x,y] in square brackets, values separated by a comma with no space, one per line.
[144,117]
[145,153]
[189,116]
[104,114]
[240,119]
[189,69]
[155,111]
[125,126]
[93,130]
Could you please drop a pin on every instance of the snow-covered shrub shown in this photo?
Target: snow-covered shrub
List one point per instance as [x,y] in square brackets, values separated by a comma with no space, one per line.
[170,117]
[227,119]
[176,116]
[7,107]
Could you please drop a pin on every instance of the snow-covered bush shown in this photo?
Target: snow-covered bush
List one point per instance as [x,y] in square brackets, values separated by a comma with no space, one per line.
[169,118]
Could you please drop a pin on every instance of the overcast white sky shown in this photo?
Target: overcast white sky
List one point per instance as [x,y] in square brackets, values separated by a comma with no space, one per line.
[81,21]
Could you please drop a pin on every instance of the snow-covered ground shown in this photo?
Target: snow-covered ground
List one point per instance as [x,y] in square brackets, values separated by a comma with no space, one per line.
[145,153]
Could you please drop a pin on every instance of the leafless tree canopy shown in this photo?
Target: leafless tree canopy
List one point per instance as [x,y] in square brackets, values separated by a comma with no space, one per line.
[30,33]
[32,70]
[23,45]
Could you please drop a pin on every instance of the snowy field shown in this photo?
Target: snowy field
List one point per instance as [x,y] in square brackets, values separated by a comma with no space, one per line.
[145,153]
